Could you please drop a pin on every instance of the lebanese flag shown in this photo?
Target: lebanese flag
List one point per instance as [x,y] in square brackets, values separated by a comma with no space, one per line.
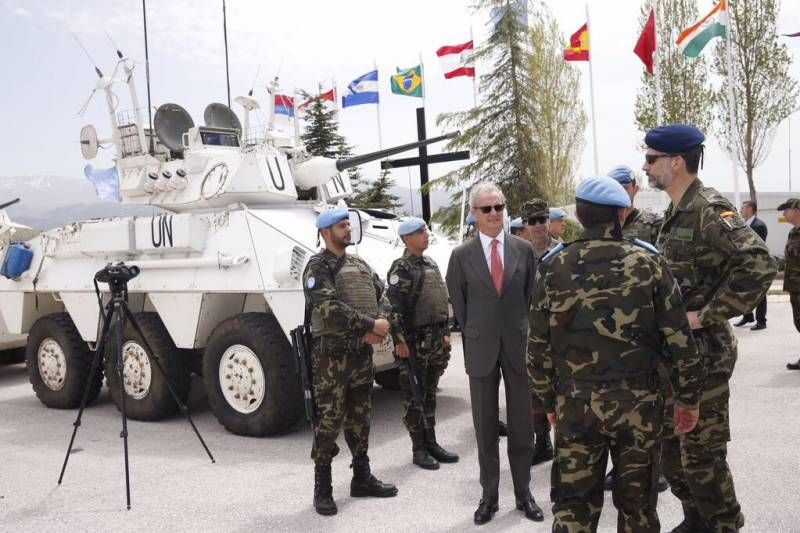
[646,45]
[456,60]
[578,49]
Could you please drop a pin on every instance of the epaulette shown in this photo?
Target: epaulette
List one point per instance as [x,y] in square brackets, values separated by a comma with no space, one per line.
[554,252]
[646,246]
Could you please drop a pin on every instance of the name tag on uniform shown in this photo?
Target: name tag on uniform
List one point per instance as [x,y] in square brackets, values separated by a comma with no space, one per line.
[683,234]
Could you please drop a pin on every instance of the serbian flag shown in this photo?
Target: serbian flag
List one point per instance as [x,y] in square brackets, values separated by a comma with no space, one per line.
[646,45]
[578,49]
[284,105]
[456,60]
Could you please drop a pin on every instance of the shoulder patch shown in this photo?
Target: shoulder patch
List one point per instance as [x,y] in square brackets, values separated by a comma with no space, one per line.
[311,282]
[727,214]
[394,279]
[646,246]
[554,252]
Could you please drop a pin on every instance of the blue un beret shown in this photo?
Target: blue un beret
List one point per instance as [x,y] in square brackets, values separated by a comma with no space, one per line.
[471,219]
[556,213]
[517,223]
[410,226]
[603,191]
[623,174]
[329,217]
[674,138]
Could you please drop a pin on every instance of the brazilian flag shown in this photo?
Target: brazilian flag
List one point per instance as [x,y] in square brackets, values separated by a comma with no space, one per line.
[408,82]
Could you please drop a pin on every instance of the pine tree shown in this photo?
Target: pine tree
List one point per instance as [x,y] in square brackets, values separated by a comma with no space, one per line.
[764,92]
[685,95]
[378,195]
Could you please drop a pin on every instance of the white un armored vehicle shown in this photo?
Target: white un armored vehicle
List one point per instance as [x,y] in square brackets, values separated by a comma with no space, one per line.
[219,288]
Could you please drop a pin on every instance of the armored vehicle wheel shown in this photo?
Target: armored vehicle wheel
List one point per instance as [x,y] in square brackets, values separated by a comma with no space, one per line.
[389,379]
[147,396]
[249,375]
[59,362]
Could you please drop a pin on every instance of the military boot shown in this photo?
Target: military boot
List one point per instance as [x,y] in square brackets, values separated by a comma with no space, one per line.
[438,453]
[420,455]
[542,449]
[323,491]
[365,484]
[692,522]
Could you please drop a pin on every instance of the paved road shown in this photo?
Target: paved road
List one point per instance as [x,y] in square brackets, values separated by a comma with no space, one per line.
[266,484]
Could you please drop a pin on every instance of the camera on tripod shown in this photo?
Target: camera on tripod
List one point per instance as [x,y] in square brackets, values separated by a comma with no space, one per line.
[116,273]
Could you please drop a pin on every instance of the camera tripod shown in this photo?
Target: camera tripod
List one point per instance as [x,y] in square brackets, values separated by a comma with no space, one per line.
[115,313]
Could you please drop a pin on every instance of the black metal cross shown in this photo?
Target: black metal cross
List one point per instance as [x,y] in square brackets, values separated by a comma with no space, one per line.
[423,160]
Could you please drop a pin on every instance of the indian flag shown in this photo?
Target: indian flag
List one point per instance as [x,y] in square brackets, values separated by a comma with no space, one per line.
[693,39]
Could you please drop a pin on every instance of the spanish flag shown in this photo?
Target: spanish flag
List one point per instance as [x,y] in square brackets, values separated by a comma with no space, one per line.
[408,82]
[578,49]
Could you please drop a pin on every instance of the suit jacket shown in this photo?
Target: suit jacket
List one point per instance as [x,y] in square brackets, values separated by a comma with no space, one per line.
[760,228]
[486,318]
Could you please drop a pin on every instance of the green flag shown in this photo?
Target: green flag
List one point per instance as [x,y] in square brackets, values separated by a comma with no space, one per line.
[408,82]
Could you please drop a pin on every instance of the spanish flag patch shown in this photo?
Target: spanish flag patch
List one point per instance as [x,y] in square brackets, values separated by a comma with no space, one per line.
[727,214]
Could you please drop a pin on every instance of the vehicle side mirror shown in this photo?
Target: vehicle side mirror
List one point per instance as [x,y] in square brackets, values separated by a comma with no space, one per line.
[355,227]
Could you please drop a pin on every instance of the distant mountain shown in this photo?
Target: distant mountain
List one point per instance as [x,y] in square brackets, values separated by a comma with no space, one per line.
[438,199]
[47,202]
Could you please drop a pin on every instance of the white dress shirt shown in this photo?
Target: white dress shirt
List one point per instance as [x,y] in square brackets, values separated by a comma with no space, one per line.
[750,220]
[486,243]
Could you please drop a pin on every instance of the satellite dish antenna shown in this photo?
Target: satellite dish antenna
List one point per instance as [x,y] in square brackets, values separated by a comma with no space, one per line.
[89,143]
[221,116]
[250,104]
[171,122]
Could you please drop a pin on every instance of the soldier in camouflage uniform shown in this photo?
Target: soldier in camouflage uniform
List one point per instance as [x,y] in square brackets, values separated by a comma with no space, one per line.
[605,313]
[638,224]
[558,223]
[349,312]
[791,274]
[723,269]
[536,215]
[419,295]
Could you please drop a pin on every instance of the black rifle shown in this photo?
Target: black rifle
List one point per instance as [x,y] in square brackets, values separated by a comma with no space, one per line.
[412,362]
[301,343]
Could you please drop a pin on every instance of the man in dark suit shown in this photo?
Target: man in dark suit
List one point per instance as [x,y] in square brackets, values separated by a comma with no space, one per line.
[490,281]
[749,211]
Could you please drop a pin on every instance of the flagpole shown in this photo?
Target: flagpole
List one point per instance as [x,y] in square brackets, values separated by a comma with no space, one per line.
[474,79]
[656,70]
[591,92]
[296,119]
[378,109]
[732,116]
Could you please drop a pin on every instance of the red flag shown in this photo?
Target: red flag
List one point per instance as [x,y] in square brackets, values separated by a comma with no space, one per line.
[327,95]
[456,60]
[578,49]
[646,45]
[792,34]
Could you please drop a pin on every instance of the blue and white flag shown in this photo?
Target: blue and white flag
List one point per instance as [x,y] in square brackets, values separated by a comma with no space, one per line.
[362,90]
[105,181]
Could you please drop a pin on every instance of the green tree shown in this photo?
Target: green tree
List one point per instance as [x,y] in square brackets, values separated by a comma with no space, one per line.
[686,97]
[764,92]
[499,131]
[377,195]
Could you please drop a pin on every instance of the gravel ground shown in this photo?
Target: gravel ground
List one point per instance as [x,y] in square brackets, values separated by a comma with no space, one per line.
[266,484]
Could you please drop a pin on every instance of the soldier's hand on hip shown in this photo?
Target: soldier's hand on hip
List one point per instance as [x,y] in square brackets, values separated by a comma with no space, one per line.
[694,320]
[402,350]
[685,419]
[371,338]
[552,418]
[446,341]
[381,327]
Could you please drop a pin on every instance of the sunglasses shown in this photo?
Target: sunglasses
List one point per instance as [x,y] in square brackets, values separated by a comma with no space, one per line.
[486,209]
[652,158]
[536,220]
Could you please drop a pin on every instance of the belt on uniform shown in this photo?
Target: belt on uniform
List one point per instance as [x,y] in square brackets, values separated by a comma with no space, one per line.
[649,381]
[339,343]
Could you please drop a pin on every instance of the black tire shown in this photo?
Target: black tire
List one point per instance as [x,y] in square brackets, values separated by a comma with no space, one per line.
[12,356]
[389,379]
[57,333]
[279,407]
[153,402]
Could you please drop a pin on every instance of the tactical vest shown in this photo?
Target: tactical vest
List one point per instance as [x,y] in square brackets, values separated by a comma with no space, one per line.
[432,304]
[353,287]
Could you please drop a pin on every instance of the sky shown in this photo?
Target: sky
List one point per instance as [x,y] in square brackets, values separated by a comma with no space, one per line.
[47,76]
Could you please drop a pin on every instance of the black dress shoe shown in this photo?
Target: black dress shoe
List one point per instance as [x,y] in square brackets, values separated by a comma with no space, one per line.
[793,366]
[662,484]
[485,512]
[608,482]
[743,322]
[531,510]
[758,327]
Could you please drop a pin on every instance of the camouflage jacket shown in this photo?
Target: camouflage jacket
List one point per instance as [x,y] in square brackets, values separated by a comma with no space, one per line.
[606,310]
[321,293]
[642,225]
[538,253]
[722,267]
[791,277]
[402,278]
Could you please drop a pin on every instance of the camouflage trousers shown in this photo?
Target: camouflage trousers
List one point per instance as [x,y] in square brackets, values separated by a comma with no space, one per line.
[696,464]
[342,381]
[540,423]
[624,421]
[432,359]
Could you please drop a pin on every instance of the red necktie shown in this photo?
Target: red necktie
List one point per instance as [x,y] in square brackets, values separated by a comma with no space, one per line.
[497,267]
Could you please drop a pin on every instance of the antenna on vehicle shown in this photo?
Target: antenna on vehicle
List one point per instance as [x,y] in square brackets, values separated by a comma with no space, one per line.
[119,54]
[147,76]
[225,34]
[255,79]
[85,51]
